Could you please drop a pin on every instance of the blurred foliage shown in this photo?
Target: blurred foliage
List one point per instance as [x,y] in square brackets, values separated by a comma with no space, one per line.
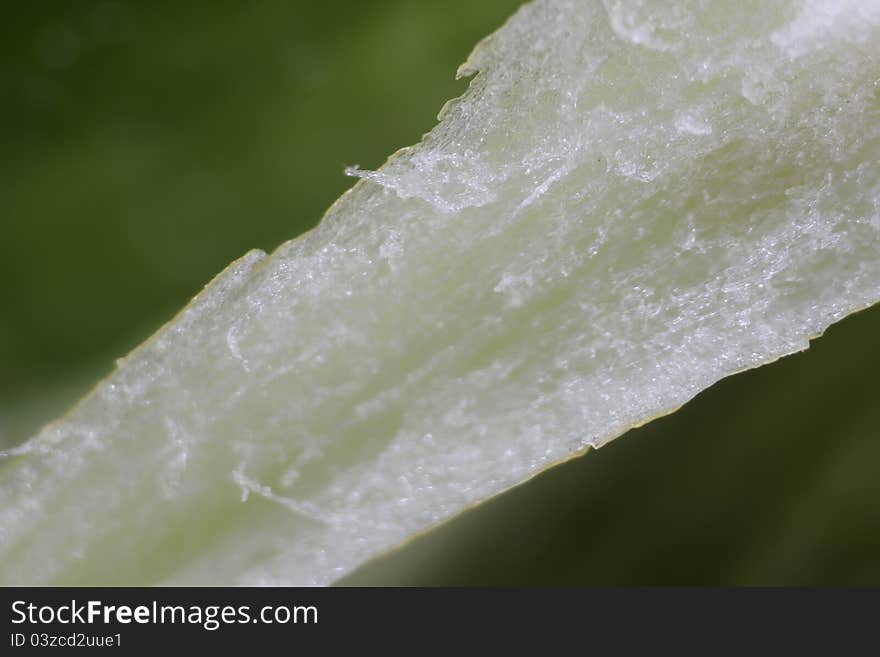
[146,145]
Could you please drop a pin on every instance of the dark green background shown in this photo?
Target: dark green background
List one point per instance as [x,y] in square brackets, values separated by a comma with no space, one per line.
[144,146]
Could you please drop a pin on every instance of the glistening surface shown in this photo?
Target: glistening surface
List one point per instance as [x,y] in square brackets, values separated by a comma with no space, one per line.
[639,167]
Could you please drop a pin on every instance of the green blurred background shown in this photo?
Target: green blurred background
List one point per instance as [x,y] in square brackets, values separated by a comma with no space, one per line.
[146,145]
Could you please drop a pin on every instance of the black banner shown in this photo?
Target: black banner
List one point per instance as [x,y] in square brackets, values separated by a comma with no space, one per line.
[546,620]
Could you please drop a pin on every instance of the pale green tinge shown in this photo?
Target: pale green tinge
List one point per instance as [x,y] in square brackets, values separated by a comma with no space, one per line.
[633,200]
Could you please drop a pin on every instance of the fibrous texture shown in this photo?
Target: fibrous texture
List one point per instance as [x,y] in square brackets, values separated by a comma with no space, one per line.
[633,200]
